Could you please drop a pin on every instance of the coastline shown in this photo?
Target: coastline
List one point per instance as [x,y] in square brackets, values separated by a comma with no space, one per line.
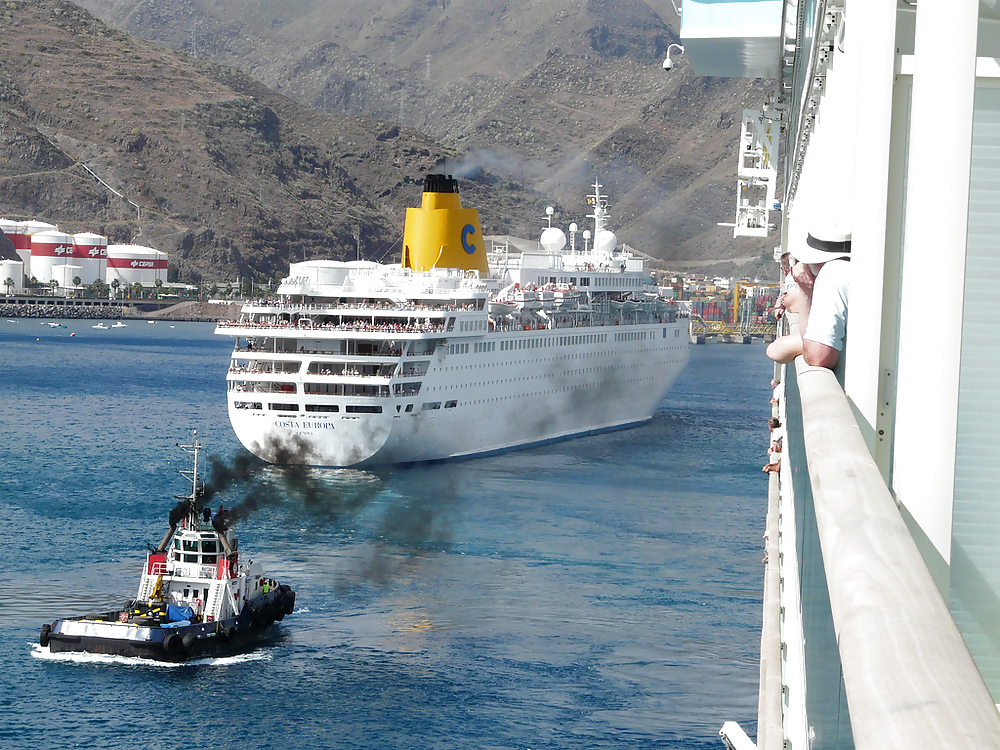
[89,309]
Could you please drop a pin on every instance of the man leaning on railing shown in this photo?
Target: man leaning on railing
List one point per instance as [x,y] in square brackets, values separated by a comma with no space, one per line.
[821,272]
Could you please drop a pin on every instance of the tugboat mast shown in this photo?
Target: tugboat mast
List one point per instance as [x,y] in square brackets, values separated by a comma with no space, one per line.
[197,487]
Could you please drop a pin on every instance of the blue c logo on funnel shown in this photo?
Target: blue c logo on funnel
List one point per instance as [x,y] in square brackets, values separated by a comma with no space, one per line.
[466,231]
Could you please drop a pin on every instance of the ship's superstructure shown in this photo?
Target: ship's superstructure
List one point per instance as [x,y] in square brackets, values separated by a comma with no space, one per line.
[882,595]
[468,346]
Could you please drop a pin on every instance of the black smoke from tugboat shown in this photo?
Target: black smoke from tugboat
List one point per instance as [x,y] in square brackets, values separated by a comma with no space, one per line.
[413,526]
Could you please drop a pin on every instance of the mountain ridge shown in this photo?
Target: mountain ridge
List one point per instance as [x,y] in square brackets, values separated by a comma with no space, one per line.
[237,179]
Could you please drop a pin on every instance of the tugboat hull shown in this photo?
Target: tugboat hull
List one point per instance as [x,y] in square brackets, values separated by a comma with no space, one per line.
[105,634]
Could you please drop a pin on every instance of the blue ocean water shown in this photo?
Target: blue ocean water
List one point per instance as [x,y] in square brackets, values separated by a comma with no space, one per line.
[596,593]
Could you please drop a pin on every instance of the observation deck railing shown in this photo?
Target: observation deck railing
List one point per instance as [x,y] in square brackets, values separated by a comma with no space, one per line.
[910,680]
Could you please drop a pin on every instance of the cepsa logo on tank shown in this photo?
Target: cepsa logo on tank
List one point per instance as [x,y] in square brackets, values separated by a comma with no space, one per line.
[142,264]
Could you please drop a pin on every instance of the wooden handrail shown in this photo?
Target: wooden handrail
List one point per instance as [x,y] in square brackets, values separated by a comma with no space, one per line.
[910,679]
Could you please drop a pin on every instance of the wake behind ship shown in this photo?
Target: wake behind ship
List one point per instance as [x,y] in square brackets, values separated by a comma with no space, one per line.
[459,350]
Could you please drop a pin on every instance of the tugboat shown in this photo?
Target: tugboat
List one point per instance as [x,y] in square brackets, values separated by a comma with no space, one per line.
[196,598]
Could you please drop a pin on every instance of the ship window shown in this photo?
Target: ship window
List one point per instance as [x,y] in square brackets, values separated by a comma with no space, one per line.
[430,405]
[187,593]
[191,558]
[177,543]
[284,407]
[209,559]
[248,404]
[362,409]
[450,404]
[209,546]
[190,545]
[409,408]
[322,407]
[406,389]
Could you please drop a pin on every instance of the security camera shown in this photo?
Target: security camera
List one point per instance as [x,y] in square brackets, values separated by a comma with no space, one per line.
[668,64]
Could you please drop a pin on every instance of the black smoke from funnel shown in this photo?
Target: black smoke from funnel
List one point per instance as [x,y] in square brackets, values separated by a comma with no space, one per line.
[178,512]
[411,529]
[222,475]
[414,526]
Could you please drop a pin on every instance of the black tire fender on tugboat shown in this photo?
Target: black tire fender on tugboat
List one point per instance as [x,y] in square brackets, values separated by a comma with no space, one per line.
[189,641]
[43,637]
[173,644]
[256,614]
[229,633]
[269,613]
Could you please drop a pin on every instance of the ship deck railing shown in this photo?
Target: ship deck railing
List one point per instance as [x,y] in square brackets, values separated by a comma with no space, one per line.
[909,678]
[321,376]
[365,328]
[389,354]
[267,306]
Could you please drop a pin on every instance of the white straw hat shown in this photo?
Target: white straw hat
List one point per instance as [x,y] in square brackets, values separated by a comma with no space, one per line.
[824,244]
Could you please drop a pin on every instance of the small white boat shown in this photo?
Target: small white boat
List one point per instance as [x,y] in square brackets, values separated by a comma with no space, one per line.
[100,326]
[119,324]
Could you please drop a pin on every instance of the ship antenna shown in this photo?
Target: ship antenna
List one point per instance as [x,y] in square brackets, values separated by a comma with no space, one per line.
[197,487]
[600,204]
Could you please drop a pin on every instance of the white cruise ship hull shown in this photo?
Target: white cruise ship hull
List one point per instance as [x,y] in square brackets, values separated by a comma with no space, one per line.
[472,404]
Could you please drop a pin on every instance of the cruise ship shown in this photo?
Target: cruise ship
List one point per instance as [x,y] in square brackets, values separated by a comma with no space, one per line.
[469,346]
[881,620]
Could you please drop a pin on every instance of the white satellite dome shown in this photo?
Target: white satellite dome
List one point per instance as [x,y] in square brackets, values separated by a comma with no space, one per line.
[553,240]
[605,241]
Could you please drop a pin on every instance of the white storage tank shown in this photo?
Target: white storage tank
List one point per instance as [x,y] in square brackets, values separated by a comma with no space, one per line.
[90,252]
[13,270]
[49,250]
[134,263]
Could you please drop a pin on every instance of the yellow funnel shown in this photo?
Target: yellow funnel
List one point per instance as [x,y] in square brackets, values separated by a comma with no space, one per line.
[442,234]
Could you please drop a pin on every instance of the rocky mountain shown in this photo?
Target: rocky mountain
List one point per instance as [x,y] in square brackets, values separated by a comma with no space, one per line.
[272,130]
[550,94]
[105,132]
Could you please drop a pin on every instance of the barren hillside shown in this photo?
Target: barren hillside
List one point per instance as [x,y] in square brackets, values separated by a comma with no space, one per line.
[552,95]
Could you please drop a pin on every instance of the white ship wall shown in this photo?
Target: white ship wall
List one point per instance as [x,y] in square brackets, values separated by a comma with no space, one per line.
[504,399]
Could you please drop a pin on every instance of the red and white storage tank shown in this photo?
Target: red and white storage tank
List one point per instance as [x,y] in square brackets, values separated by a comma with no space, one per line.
[90,252]
[134,263]
[19,232]
[51,252]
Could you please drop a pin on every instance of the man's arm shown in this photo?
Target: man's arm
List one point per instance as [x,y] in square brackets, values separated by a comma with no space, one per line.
[785,348]
[819,355]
